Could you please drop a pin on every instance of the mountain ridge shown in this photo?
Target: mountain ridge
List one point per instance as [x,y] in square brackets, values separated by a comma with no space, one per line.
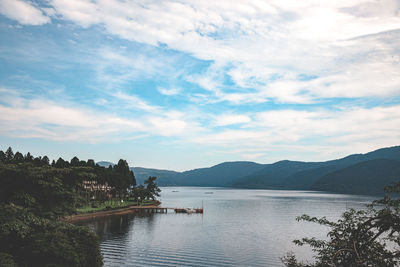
[284,174]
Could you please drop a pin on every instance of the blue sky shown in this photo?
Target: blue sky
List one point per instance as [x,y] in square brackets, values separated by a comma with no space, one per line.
[187,84]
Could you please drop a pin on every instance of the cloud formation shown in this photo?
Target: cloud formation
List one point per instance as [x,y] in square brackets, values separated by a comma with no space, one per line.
[252,79]
[265,46]
[23,12]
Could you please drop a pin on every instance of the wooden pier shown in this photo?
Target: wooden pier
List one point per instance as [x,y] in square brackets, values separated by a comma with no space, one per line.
[128,210]
[157,209]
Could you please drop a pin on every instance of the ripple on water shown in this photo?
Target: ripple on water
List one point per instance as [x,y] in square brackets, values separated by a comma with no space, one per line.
[239,228]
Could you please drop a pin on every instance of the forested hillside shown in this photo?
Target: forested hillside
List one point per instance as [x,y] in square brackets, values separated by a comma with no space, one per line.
[367,177]
[286,174]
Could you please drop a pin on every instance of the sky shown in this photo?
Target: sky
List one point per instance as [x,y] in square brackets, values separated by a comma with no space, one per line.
[186,84]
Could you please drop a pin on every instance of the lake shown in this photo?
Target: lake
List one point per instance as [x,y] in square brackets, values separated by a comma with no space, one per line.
[238,227]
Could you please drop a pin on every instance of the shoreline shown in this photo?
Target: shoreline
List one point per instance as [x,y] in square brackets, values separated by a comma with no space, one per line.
[106,213]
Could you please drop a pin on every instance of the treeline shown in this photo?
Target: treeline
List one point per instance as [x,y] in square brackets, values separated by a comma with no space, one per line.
[35,194]
[119,176]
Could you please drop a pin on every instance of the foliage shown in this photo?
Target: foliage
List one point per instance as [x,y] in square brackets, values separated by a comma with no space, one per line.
[369,237]
[122,177]
[30,240]
[7,260]
[35,195]
[152,189]
[42,190]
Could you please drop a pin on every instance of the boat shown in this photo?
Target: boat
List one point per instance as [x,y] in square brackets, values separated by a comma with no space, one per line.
[190,210]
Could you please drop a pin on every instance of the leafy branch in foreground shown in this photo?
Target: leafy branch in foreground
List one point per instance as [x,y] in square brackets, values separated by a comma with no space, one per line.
[369,237]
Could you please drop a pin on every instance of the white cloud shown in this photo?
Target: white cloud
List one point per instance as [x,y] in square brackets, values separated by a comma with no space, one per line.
[134,102]
[264,46]
[23,11]
[346,130]
[46,119]
[168,91]
[257,43]
[83,12]
[230,119]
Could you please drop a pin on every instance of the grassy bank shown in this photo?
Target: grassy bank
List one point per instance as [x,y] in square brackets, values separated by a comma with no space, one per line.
[108,205]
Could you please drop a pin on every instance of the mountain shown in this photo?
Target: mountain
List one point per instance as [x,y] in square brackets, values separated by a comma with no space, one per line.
[302,175]
[164,177]
[272,175]
[376,167]
[219,175]
[367,178]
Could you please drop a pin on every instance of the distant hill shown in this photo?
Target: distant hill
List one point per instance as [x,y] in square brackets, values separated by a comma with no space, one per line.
[164,177]
[219,175]
[374,167]
[302,175]
[272,175]
[368,178]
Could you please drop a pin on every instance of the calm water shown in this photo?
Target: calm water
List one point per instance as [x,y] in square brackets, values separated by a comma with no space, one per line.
[238,228]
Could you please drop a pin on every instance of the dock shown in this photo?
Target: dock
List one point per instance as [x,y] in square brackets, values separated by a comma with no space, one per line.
[128,210]
[158,209]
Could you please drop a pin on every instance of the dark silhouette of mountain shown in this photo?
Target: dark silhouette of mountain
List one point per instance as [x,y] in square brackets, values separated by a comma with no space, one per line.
[290,175]
[219,175]
[302,175]
[164,177]
[272,175]
[367,178]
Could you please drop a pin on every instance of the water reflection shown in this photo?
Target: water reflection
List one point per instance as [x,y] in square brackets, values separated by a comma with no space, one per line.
[238,228]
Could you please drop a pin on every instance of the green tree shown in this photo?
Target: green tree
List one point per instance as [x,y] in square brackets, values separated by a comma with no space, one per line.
[139,193]
[90,163]
[18,157]
[2,156]
[152,189]
[28,157]
[45,160]
[32,199]
[9,155]
[369,237]
[60,163]
[37,161]
[74,162]
[122,177]
[31,240]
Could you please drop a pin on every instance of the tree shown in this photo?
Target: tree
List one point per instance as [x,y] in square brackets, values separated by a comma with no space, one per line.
[28,157]
[32,199]
[37,161]
[152,189]
[18,157]
[139,193]
[9,155]
[90,163]
[74,162]
[122,178]
[61,163]
[2,156]
[359,237]
[45,160]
